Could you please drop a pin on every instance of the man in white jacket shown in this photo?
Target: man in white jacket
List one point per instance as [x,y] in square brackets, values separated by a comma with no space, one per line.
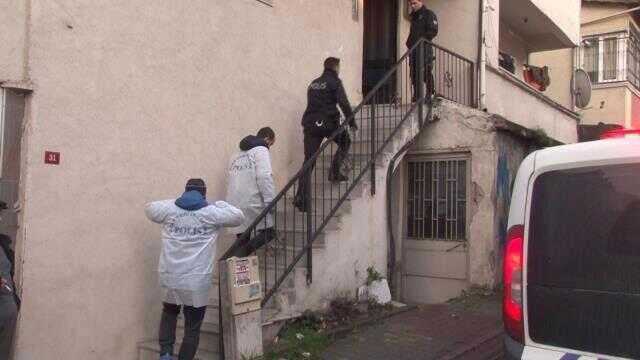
[190,228]
[251,187]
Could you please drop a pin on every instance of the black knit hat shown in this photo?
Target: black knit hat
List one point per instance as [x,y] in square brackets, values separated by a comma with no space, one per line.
[197,185]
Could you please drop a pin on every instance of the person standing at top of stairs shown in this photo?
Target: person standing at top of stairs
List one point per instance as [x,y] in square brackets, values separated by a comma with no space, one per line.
[320,120]
[424,25]
[251,187]
[190,228]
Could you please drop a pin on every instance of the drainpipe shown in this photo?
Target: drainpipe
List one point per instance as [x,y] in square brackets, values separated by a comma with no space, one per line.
[482,57]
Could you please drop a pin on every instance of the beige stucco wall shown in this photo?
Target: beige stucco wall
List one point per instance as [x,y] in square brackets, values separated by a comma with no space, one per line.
[564,14]
[591,12]
[465,131]
[138,96]
[560,63]
[13,17]
[457,29]
[511,43]
[518,105]
[608,105]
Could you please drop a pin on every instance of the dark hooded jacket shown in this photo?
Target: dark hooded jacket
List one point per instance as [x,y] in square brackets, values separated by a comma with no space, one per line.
[424,24]
[324,95]
[252,141]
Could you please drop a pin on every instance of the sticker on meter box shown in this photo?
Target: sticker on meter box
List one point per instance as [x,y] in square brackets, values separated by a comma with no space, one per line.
[242,274]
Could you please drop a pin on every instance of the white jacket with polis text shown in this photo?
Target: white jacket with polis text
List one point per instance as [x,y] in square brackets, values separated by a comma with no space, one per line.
[250,182]
[189,240]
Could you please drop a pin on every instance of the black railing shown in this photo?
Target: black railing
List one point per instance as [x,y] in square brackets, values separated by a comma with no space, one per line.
[379,117]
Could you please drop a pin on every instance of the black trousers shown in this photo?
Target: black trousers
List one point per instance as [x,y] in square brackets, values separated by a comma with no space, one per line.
[428,75]
[313,138]
[262,238]
[8,318]
[193,318]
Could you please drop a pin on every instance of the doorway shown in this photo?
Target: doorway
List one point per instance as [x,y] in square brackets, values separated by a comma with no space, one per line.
[435,248]
[380,45]
[12,107]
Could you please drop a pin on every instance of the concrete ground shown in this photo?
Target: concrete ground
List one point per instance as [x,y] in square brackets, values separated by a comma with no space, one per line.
[467,329]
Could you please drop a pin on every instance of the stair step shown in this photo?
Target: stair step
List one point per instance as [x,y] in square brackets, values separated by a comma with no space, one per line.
[150,350]
[297,220]
[209,336]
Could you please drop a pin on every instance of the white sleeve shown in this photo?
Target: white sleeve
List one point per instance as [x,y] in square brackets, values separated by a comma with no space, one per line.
[264,175]
[223,214]
[158,211]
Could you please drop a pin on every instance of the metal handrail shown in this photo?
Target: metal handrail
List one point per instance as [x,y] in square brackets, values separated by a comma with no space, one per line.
[406,62]
[311,162]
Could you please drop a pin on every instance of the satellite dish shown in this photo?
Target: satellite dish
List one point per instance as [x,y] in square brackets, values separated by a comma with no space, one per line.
[581,88]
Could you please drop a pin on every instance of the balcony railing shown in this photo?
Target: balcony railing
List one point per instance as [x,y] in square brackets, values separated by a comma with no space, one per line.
[611,58]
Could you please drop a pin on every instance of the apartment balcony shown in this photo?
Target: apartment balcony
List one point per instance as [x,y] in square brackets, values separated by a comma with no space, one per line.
[543,24]
[611,59]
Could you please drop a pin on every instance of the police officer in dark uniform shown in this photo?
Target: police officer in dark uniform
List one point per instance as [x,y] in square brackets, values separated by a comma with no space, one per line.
[321,119]
[424,24]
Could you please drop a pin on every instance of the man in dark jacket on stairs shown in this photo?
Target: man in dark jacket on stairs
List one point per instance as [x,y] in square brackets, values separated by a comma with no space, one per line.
[424,25]
[320,120]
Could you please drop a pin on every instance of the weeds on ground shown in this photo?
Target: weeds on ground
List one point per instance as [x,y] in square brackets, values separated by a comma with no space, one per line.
[302,339]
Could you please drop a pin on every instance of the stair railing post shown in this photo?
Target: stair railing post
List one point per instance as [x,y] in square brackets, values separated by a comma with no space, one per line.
[421,63]
[373,146]
[309,234]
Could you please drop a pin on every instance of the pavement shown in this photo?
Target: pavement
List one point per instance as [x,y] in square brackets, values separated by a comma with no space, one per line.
[467,329]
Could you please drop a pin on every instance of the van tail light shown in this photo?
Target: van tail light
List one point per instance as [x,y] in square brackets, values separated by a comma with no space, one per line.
[621,134]
[512,296]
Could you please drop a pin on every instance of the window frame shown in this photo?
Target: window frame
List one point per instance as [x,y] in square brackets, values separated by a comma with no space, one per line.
[621,58]
[436,158]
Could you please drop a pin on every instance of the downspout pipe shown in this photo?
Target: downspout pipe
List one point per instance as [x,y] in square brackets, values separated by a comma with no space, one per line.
[482,56]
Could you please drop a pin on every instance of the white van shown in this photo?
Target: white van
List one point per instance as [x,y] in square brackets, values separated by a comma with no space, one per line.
[572,256]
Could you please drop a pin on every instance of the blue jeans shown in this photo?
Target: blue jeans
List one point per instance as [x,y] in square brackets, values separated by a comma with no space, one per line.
[193,318]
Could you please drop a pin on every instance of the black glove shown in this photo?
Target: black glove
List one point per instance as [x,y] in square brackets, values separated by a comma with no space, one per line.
[353,126]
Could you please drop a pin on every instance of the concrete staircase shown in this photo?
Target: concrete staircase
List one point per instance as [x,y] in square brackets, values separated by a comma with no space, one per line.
[332,249]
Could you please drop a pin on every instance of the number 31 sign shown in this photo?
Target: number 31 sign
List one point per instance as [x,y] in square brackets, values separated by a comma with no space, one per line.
[52,158]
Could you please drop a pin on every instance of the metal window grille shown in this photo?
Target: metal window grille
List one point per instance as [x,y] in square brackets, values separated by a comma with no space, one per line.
[437,200]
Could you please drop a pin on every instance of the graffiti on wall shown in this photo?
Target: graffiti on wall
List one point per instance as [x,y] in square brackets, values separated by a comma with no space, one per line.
[503,195]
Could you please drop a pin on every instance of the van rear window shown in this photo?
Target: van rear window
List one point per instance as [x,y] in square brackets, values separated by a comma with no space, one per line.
[585,229]
[583,262]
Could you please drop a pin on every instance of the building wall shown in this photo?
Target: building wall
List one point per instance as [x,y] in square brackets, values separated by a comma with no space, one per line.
[634,121]
[13,17]
[563,14]
[518,103]
[138,96]
[511,151]
[457,29]
[591,12]
[467,131]
[608,105]
[560,63]
[512,44]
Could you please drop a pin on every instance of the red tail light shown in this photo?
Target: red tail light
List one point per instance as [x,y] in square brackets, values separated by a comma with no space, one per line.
[621,134]
[512,297]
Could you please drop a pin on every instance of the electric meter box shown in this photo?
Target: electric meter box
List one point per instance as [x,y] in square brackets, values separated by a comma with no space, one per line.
[244,285]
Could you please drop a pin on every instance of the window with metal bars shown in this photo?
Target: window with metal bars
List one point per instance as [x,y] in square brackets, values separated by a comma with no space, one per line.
[436,205]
